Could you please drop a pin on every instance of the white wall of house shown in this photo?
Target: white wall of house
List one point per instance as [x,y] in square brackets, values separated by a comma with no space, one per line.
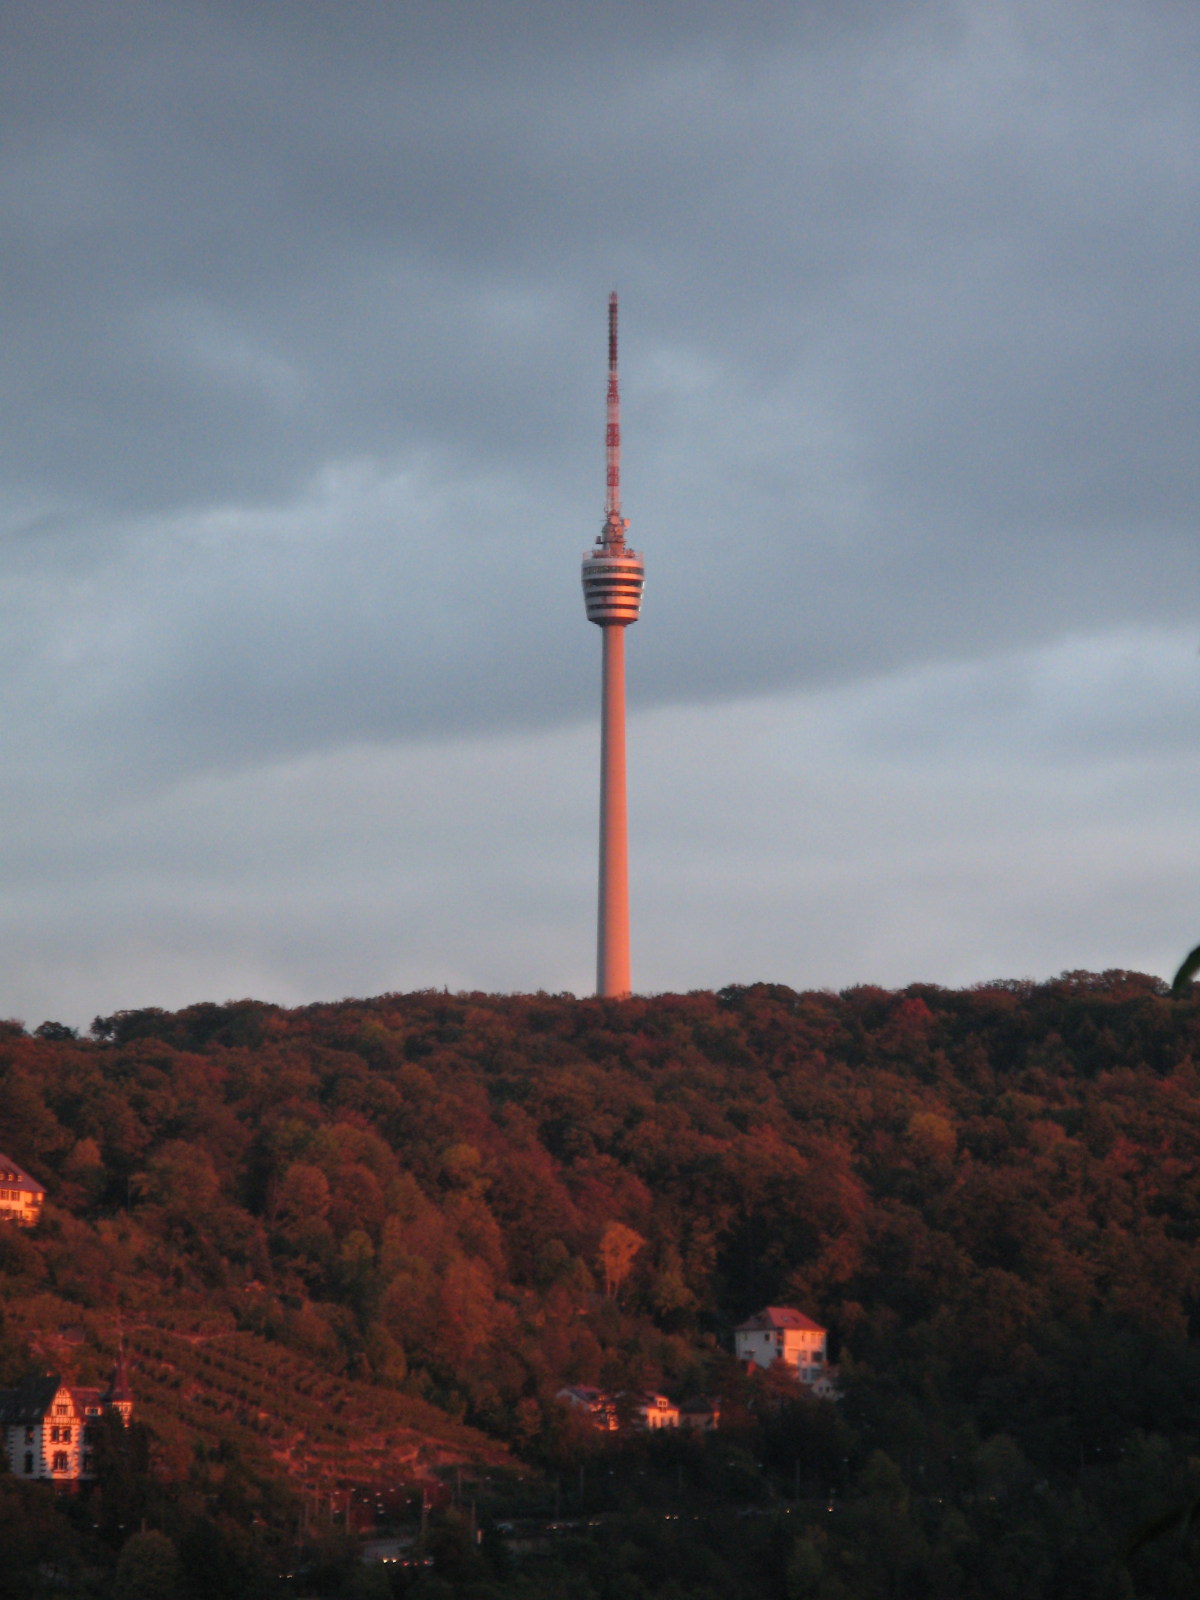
[62,1444]
[802,1348]
[57,1447]
[658,1412]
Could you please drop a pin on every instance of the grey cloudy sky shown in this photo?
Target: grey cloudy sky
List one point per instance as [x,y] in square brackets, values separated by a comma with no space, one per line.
[303,321]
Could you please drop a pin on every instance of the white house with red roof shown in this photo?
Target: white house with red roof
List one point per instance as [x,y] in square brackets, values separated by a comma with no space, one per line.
[781,1333]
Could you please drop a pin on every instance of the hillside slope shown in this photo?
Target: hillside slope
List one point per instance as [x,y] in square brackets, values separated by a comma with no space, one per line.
[364,1238]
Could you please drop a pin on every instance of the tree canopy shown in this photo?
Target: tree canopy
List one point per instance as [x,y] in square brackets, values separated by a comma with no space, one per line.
[353,1235]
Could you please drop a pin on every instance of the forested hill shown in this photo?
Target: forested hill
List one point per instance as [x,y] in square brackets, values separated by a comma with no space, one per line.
[991,1197]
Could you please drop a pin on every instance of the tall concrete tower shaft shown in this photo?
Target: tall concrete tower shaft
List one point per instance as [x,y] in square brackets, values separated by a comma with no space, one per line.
[612,591]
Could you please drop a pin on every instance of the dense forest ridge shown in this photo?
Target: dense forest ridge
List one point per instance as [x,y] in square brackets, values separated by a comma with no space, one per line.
[367,1239]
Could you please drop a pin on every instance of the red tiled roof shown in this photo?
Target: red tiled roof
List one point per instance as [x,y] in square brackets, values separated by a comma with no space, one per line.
[771,1317]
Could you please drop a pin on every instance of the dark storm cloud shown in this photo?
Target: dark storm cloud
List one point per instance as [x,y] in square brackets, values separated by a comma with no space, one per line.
[304,330]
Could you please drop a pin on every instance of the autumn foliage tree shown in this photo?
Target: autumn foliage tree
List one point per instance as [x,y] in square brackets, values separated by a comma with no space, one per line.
[619,1247]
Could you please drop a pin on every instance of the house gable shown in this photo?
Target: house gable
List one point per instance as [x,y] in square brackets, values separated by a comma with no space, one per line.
[21,1196]
[46,1426]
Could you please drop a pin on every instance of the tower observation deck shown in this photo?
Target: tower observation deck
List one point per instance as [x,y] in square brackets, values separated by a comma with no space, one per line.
[613,575]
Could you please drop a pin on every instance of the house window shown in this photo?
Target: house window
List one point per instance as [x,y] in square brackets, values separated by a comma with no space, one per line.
[59,1464]
[28,1435]
[66,1436]
[29,1463]
[61,1408]
[87,1461]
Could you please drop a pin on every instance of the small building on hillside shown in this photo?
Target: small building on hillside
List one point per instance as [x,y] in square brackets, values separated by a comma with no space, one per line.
[781,1333]
[702,1414]
[600,1407]
[20,1196]
[48,1427]
[653,1411]
[610,1412]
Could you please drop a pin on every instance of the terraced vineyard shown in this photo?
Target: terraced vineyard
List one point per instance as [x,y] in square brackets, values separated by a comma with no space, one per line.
[324,1431]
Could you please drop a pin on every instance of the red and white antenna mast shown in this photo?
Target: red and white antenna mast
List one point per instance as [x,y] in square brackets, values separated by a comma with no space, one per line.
[614,527]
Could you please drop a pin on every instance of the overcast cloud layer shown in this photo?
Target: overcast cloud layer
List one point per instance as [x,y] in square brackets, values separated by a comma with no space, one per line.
[301,441]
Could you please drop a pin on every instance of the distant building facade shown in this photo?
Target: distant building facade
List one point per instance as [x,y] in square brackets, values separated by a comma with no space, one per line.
[702,1413]
[781,1333]
[608,1412]
[21,1196]
[600,1407]
[654,1411]
[48,1427]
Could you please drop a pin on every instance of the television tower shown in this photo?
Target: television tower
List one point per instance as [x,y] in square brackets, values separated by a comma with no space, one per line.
[612,592]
